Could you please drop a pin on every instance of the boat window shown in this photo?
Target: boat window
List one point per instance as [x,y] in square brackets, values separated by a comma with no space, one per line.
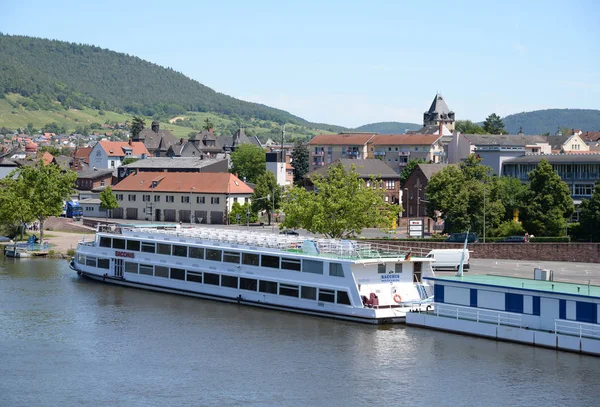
[290,264]
[148,247]
[90,261]
[342,298]
[161,271]
[312,266]
[147,269]
[118,244]
[267,287]
[210,278]
[105,242]
[335,269]
[381,268]
[288,290]
[131,267]
[104,263]
[197,252]
[213,254]
[163,248]
[269,261]
[249,284]
[398,268]
[309,293]
[229,281]
[178,274]
[250,259]
[326,295]
[195,277]
[80,259]
[179,250]
[231,257]
[133,245]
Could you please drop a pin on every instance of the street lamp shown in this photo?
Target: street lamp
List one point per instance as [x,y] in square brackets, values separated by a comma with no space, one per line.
[191,216]
[484,213]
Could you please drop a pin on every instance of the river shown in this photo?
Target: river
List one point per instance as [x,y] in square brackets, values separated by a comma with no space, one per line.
[69,341]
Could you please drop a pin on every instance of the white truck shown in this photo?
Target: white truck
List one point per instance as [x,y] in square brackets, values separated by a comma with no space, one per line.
[448,259]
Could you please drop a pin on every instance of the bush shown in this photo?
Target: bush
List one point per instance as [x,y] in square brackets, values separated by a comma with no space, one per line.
[510,228]
[551,239]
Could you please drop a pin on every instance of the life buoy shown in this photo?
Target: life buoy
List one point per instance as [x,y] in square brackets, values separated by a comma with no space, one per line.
[397,298]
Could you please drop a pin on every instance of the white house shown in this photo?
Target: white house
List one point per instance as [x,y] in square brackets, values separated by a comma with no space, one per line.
[110,154]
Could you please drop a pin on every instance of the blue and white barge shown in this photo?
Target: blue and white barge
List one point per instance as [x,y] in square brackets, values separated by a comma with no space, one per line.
[538,312]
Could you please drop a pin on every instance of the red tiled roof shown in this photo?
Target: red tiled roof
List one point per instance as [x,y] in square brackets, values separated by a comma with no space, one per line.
[115,148]
[406,139]
[83,152]
[341,139]
[205,182]
[590,135]
[47,158]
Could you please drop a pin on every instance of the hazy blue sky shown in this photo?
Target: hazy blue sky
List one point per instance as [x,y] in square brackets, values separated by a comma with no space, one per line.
[350,62]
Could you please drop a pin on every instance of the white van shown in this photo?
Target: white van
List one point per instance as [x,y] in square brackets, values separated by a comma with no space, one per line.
[448,259]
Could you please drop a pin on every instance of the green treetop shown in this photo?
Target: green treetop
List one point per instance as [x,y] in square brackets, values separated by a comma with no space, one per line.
[300,157]
[137,125]
[493,125]
[248,162]
[108,201]
[589,215]
[267,194]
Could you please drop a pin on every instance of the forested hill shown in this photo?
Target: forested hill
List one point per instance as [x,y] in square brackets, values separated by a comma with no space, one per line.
[548,121]
[75,75]
[389,127]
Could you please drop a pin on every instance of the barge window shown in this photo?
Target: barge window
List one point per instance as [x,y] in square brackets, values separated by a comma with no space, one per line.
[147,269]
[133,245]
[161,271]
[288,290]
[148,247]
[197,252]
[269,261]
[179,250]
[308,293]
[90,261]
[104,263]
[335,269]
[231,257]
[119,244]
[398,268]
[80,259]
[195,277]
[267,287]
[131,267]
[250,259]
[249,284]
[229,281]
[342,298]
[163,248]
[213,254]
[290,264]
[178,274]
[210,278]
[381,268]
[312,266]
[105,242]
[326,295]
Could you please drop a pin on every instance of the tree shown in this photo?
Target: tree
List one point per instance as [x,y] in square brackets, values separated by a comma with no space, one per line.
[208,125]
[589,215]
[468,127]
[494,125]
[548,202]
[129,160]
[267,194]
[300,157]
[137,125]
[409,168]
[511,192]
[15,211]
[45,188]
[248,162]
[30,129]
[340,206]
[108,201]
[244,212]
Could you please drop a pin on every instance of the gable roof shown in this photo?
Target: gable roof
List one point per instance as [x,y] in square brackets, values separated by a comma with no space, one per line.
[157,141]
[365,168]
[117,148]
[404,139]
[429,169]
[82,153]
[503,139]
[341,139]
[47,158]
[184,182]
[163,163]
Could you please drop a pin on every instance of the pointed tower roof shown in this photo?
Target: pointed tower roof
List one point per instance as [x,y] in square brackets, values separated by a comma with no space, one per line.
[439,105]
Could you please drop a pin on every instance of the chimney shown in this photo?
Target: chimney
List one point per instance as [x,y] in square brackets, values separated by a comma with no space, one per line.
[441,128]
[155,126]
[130,142]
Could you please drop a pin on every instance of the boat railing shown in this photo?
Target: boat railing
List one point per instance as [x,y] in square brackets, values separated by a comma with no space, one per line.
[478,315]
[575,328]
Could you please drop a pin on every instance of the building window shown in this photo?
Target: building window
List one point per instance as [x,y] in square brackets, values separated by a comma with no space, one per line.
[200,200]
[185,199]
[156,198]
[214,200]
[146,198]
[170,198]
[131,197]
[119,197]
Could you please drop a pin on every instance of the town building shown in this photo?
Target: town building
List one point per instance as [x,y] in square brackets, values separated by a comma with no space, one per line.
[279,164]
[396,150]
[94,180]
[156,141]
[327,148]
[174,164]
[110,154]
[413,199]
[438,113]
[230,143]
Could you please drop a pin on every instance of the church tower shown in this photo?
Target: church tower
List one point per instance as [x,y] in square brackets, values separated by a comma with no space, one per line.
[439,113]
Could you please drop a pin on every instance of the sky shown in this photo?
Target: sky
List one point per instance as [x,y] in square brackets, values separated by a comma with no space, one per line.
[350,62]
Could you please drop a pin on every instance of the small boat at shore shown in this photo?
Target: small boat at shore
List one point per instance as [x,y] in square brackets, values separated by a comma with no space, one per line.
[26,249]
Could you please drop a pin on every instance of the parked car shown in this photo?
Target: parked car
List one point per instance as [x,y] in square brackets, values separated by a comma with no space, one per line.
[515,239]
[289,232]
[460,238]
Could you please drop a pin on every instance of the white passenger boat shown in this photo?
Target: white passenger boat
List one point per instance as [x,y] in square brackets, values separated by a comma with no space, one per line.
[350,280]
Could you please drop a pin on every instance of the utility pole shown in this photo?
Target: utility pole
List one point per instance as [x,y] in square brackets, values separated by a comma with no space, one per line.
[484,213]
[282,137]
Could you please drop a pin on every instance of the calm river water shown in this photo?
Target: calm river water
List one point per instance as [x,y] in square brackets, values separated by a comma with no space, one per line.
[69,341]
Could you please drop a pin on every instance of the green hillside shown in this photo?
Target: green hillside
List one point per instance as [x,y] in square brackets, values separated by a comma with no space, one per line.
[389,127]
[56,76]
[548,121]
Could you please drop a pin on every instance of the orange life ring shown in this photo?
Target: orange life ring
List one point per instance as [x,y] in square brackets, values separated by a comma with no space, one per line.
[397,298]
